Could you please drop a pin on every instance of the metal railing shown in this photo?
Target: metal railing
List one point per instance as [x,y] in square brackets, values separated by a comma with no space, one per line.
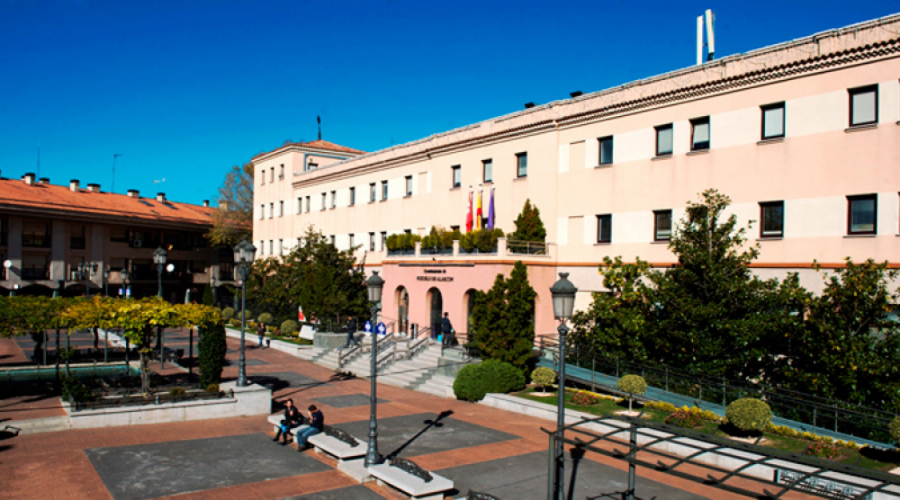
[821,413]
[527,247]
[418,342]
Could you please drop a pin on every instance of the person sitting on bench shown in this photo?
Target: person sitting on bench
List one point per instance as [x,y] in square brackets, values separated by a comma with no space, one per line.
[292,419]
[316,424]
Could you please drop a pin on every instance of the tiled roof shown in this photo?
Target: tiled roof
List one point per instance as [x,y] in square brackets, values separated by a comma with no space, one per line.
[317,144]
[39,197]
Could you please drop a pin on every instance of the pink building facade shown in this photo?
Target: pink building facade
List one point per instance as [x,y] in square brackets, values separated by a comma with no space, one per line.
[804,137]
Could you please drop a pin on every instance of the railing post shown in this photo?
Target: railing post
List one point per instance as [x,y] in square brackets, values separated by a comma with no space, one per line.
[593,373]
[632,453]
[667,379]
[551,471]
[617,367]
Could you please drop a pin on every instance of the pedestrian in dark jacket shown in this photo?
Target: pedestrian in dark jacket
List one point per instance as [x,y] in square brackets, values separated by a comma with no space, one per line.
[316,424]
[351,333]
[292,419]
[446,330]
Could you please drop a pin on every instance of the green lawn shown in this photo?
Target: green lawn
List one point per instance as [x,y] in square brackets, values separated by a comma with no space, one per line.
[866,458]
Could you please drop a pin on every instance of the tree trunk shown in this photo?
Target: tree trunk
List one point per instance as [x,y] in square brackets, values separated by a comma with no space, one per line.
[96,339]
[145,373]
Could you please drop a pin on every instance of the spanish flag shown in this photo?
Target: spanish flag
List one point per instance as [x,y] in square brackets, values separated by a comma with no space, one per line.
[479,220]
[469,214]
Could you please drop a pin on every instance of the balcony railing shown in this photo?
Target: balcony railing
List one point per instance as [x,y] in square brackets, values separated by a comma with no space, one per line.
[526,247]
[35,273]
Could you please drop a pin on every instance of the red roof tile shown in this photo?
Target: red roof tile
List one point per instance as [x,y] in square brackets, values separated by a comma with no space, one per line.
[16,194]
[317,144]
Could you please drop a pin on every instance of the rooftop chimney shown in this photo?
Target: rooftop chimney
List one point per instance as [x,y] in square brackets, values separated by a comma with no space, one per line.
[134,193]
[73,185]
[94,188]
[28,178]
[160,197]
[206,203]
[44,180]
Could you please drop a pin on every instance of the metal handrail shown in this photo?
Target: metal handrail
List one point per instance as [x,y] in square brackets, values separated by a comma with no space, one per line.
[419,342]
[382,346]
[527,247]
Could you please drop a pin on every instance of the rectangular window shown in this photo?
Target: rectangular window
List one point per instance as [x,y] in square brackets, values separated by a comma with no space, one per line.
[280,247]
[77,238]
[372,192]
[456,170]
[307,204]
[700,134]
[371,242]
[409,185]
[272,177]
[864,105]
[662,225]
[332,238]
[299,204]
[772,216]
[281,172]
[271,243]
[351,241]
[262,211]
[664,140]
[324,200]
[606,150]
[384,190]
[383,240]
[604,228]
[352,196]
[773,121]
[862,214]
[262,246]
[262,177]
[281,208]
[333,199]
[271,209]
[487,168]
[521,165]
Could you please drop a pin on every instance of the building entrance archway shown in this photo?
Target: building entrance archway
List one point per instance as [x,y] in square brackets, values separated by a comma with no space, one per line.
[436,300]
[401,297]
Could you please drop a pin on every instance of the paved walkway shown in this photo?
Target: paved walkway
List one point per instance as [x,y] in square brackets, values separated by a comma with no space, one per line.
[479,447]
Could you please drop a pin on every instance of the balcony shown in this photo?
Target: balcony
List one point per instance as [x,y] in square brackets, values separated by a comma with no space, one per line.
[504,249]
[35,273]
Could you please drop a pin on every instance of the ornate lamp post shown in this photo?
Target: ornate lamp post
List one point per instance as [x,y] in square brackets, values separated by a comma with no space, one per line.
[563,292]
[7,264]
[375,284]
[159,258]
[86,270]
[244,252]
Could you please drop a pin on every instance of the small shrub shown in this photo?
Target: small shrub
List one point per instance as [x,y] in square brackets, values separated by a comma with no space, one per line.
[584,398]
[236,323]
[543,377]
[662,406]
[289,327]
[251,326]
[265,318]
[822,449]
[683,418]
[75,389]
[177,393]
[499,376]
[468,385]
[749,414]
[632,384]
[213,388]
[895,429]
[228,313]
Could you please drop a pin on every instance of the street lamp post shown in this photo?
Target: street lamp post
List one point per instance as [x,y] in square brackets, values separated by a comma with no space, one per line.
[563,293]
[86,270]
[125,276]
[7,264]
[159,258]
[375,284]
[244,252]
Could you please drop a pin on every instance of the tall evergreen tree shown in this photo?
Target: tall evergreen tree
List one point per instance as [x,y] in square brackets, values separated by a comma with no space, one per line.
[503,318]
[529,226]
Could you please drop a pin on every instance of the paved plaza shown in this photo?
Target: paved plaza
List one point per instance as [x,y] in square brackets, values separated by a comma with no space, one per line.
[478,447]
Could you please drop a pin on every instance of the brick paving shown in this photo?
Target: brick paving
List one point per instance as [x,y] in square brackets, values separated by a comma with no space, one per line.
[56,465]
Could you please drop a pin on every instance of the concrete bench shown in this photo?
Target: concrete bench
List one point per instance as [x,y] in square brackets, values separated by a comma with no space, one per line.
[411,484]
[329,443]
[276,418]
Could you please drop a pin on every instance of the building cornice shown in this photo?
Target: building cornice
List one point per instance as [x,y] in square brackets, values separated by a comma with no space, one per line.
[827,51]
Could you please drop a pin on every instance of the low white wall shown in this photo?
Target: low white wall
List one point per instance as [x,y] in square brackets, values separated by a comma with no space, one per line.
[250,400]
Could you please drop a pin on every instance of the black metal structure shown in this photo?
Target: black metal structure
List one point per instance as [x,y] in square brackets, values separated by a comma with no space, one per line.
[754,471]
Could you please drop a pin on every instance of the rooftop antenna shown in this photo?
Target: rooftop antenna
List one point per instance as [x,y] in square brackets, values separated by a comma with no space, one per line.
[319,120]
[710,36]
[112,188]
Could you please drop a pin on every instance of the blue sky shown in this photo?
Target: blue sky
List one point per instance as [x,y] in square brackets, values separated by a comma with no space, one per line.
[184,90]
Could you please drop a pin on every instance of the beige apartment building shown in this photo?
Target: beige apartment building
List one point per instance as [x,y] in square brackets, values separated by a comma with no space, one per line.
[804,137]
[69,240]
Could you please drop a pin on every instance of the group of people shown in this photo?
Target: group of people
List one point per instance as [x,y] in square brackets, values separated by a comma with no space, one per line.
[447,334]
[293,419]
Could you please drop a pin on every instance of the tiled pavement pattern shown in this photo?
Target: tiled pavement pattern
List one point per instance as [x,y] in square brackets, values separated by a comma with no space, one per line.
[481,448]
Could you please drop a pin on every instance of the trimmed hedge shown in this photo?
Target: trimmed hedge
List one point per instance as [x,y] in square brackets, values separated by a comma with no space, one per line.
[265,318]
[211,355]
[469,386]
[228,313]
[474,381]
[543,376]
[289,326]
[749,414]
[633,384]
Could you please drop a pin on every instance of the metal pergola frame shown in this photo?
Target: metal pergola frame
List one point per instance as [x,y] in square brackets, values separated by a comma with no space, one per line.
[789,471]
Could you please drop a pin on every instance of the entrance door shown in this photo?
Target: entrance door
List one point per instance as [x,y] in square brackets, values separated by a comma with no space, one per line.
[437,308]
[403,310]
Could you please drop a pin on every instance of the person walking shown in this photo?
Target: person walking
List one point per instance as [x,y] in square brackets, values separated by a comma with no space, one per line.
[351,333]
[316,424]
[261,331]
[446,330]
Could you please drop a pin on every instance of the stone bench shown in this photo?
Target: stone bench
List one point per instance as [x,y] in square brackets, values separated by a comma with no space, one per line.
[411,482]
[276,418]
[338,444]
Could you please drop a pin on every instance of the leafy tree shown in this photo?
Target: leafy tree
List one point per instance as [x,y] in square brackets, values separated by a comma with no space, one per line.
[529,226]
[207,298]
[233,216]
[503,319]
[850,347]
[315,275]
